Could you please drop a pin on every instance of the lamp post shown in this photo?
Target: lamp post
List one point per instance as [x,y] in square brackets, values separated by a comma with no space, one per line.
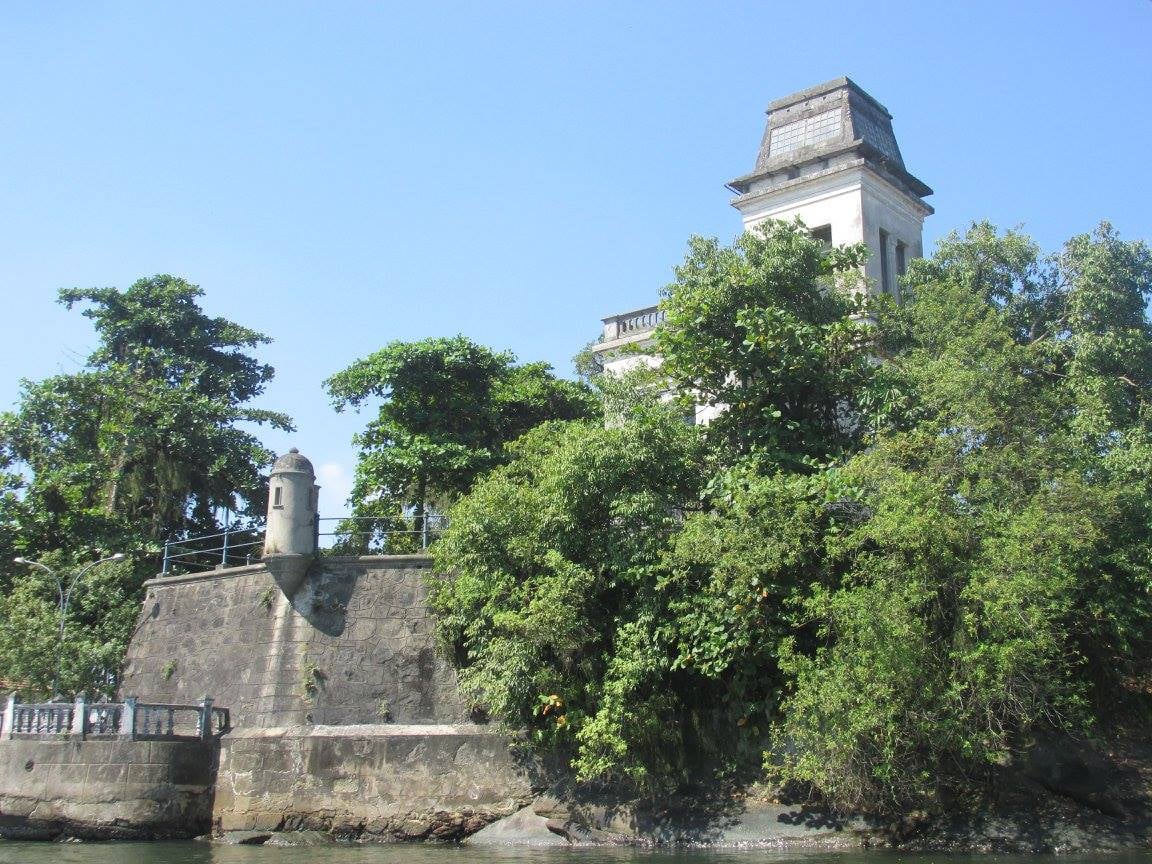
[64,597]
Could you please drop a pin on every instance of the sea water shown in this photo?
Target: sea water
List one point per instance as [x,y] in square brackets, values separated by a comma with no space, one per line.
[12,852]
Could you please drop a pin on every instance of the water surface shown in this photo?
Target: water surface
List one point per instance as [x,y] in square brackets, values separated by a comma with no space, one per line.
[202,853]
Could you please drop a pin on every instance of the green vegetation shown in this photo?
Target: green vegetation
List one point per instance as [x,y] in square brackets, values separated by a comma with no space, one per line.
[909,543]
[769,329]
[312,679]
[915,535]
[448,407]
[140,447]
[101,614]
[557,585]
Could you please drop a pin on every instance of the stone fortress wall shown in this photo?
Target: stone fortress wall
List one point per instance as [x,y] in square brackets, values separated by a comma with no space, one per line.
[353,645]
[345,717]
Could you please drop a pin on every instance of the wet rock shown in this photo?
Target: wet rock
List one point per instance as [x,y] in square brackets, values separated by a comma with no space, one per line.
[292,839]
[243,838]
[1074,770]
[523,828]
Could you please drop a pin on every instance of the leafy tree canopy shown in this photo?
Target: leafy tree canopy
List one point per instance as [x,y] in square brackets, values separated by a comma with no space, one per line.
[448,407]
[141,446]
[556,605]
[760,329]
[994,576]
[97,627]
[912,540]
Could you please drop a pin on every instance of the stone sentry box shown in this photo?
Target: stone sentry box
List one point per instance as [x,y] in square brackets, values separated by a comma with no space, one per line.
[290,539]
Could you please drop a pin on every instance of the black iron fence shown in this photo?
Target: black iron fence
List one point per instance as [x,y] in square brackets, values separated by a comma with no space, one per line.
[232,547]
[380,535]
[337,535]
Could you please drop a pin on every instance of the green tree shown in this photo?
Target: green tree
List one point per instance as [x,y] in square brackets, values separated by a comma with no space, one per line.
[651,640]
[554,601]
[142,446]
[912,541]
[769,330]
[448,408]
[995,578]
[97,627]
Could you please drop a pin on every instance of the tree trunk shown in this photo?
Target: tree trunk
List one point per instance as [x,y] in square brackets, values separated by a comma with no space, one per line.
[111,501]
[421,494]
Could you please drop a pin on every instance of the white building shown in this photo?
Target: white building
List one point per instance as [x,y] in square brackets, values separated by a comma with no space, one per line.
[828,156]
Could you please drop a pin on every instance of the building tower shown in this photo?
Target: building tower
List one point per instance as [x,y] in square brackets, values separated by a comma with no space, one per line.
[829,156]
[292,499]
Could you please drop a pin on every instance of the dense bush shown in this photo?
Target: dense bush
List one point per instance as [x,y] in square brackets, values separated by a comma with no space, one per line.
[912,540]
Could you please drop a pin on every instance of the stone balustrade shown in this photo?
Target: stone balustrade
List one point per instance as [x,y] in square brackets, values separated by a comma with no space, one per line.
[129,719]
[631,323]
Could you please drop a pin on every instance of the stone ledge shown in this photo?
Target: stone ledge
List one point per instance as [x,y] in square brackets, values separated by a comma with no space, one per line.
[104,790]
[369,730]
[398,562]
[159,581]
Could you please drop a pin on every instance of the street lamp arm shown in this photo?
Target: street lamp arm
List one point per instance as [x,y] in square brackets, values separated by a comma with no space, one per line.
[56,580]
[64,597]
[32,563]
[80,575]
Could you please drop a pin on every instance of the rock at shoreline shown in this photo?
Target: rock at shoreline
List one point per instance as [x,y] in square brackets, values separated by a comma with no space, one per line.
[523,828]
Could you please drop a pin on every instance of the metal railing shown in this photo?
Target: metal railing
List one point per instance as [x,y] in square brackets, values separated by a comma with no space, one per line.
[230,548]
[383,535]
[128,719]
[349,535]
[629,323]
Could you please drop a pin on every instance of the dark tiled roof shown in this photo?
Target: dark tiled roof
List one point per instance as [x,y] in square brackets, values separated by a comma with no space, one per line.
[828,120]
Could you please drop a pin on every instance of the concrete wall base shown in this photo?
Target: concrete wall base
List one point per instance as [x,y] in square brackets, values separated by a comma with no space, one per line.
[105,789]
[386,782]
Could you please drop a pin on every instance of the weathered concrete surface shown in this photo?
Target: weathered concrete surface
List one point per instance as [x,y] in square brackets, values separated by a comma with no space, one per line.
[721,821]
[379,781]
[353,645]
[105,789]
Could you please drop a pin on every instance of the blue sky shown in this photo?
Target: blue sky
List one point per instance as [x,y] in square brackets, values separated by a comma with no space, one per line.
[340,175]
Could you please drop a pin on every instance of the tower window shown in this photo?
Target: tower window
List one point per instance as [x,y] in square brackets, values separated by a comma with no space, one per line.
[901,258]
[823,234]
[278,496]
[885,272]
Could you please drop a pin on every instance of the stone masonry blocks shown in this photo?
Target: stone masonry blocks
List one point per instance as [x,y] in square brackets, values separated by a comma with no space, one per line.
[353,645]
